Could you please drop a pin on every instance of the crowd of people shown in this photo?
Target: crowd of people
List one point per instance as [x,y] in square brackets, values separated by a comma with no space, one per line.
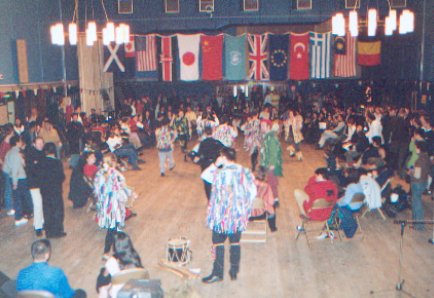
[363,147]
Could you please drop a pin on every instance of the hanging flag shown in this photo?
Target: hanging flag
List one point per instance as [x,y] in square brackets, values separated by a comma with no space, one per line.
[320,47]
[146,53]
[130,49]
[212,49]
[369,53]
[235,57]
[188,56]
[345,64]
[278,57]
[339,45]
[299,57]
[166,59]
[113,62]
[258,57]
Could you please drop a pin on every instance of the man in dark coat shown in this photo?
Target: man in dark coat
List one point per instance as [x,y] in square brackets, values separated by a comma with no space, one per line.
[209,150]
[51,189]
[34,156]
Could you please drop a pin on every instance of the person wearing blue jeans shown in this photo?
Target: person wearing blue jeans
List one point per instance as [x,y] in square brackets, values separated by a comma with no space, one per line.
[419,180]
[14,166]
[129,152]
[8,194]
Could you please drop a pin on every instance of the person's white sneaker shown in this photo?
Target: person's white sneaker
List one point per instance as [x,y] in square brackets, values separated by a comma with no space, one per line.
[322,236]
[21,222]
[11,212]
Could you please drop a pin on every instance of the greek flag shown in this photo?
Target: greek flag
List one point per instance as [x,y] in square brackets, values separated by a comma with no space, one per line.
[320,49]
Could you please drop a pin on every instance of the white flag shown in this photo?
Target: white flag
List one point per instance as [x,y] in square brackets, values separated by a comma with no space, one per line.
[320,46]
[189,56]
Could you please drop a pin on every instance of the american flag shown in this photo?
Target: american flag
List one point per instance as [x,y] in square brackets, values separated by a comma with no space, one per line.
[258,56]
[320,55]
[345,65]
[146,53]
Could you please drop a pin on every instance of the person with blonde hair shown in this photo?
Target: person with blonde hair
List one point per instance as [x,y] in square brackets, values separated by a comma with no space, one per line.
[112,194]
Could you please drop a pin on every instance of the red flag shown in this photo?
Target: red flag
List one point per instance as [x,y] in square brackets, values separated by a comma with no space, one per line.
[166,58]
[212,49]
[299,57]
[130,51]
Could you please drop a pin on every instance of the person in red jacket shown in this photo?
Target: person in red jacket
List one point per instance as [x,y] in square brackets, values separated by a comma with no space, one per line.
[318,187]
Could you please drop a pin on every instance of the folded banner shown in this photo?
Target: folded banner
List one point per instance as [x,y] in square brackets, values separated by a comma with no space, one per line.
[299,57]
[188,46]
[369,53]
[278,57]
[258,56]
[320,55]
[212,48]
[345,58]
[235,57]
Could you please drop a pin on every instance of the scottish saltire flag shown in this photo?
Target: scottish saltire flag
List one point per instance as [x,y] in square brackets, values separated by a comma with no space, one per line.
[278,57]
[258,56]
[113,58]
[235,57]
[320,55]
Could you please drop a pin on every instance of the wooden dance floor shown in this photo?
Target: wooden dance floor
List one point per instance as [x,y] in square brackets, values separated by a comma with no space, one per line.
[175,206]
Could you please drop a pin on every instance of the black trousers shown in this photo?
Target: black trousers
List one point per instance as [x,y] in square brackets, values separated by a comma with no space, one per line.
[208,187]
[54,214]
[109,239]
[218,241]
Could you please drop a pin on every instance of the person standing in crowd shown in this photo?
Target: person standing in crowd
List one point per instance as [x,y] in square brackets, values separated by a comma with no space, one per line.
[5,146]
[50,135]
[419,180]
[225,133]
[232,195]
[74,134]
[40,276]
[34,157]
[252,138]
[209,150]
[112,194]
[293,134]
[271,159]
[375,127]
[181,126]
[52,177]
[14,166]
[165,139]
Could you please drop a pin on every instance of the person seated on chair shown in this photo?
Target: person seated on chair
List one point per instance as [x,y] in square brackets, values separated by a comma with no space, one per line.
[40,276]
[120,149]
[334,134]
[124,257]
[353,187]
[318,187]
[265,194]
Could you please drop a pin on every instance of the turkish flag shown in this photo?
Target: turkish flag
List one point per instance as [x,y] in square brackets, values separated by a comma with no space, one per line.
[299,57]
[212,60]
[130,48]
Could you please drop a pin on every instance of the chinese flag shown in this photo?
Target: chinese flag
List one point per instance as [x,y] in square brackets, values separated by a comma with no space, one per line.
[212,49]
[299,57]
[369,53]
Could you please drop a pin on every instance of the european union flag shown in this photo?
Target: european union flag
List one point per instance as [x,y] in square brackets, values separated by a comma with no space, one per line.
[278,57]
